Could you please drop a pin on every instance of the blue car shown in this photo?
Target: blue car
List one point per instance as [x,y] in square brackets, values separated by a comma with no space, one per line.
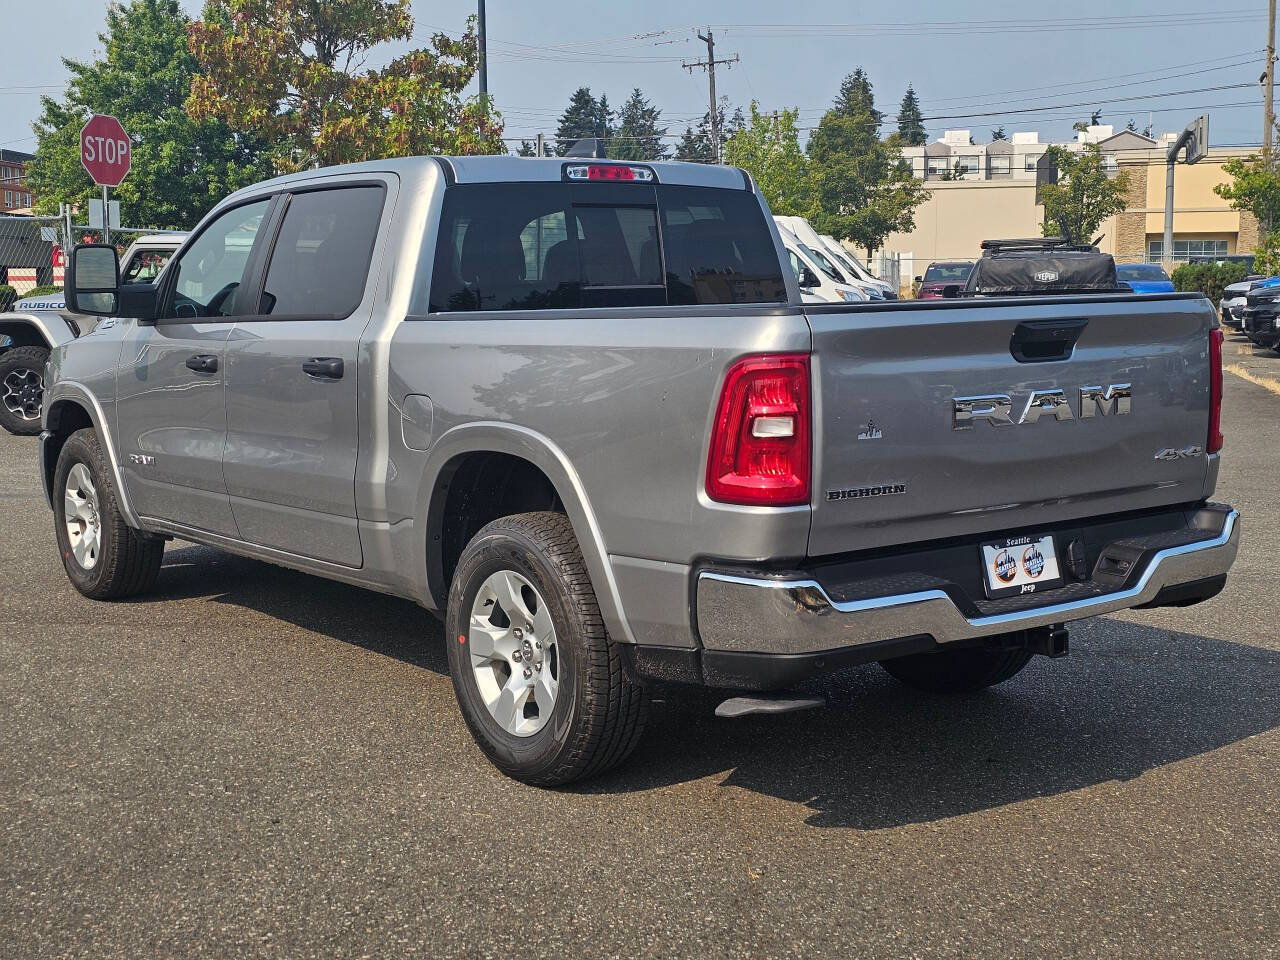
[1144,277]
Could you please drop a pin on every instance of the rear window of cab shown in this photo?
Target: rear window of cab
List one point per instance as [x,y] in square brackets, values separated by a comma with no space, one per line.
[529,246]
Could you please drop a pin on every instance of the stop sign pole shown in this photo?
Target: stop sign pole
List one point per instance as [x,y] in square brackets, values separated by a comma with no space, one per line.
[106,153]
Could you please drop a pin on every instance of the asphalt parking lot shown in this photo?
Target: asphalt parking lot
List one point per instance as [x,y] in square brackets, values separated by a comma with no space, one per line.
[256,762]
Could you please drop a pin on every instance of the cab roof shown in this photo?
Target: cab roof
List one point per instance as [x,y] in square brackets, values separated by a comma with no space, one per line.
[511,169]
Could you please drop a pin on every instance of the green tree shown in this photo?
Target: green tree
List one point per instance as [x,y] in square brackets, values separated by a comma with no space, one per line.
[638,135]
[585,116]
[695,143]
[768,148]
[911,120]
[181,167]
[294,73]
[731,123]
[1084,195]
[864,190]
[856,97]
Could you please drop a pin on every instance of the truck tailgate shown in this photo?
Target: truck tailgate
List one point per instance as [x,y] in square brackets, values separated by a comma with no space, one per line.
[897,460]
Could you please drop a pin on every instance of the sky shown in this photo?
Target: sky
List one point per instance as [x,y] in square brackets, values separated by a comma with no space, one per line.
[974,65]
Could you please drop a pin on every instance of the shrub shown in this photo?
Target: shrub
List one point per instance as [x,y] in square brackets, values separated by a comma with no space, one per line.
[44,291]
[7,296]
[1208,278]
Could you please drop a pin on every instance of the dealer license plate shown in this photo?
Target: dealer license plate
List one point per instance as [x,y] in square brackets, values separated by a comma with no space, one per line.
[1020,565]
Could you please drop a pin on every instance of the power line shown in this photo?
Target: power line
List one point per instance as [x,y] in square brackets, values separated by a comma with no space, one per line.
[971,100]
[963,27]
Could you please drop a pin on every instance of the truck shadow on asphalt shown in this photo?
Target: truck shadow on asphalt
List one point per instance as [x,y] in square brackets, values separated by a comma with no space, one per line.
[1129,699]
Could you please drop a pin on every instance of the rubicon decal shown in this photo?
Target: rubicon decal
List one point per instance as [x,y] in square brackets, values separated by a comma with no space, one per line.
[865,493]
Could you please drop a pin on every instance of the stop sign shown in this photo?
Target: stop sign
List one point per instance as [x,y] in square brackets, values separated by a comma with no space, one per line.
[105,150]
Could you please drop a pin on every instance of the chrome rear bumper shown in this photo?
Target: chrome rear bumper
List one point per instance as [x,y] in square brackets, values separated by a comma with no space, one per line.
[746,614]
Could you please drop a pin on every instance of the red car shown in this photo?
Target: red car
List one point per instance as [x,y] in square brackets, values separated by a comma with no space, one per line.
[943,274]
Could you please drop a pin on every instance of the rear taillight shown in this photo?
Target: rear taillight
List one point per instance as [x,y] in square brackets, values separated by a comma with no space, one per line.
[760,437]
[1214,443]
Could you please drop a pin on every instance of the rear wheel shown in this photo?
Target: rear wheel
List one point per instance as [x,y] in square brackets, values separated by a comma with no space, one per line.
[957,671]
[104,557]
[542,687]
[22,389]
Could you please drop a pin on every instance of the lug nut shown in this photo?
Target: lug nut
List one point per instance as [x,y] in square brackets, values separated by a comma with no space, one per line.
[518,633]
[517,656]
[527,673]
[538,667]
[537,644]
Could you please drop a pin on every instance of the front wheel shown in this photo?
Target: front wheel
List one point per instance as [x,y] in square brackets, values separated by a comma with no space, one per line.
[957,671]
[542,687]
[105,559]
[22,389]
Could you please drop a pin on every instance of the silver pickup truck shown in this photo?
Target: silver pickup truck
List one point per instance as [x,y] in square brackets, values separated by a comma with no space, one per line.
[578,409]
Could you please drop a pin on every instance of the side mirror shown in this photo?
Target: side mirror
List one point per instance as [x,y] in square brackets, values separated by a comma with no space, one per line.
[951,291]
[807,279]
[93,280]
[919,279]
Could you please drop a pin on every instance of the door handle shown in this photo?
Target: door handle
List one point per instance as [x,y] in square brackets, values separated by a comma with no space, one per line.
[327,368]
[203,363]
[1036,341]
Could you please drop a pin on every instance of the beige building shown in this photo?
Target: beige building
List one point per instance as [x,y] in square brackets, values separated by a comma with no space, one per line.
[985,200]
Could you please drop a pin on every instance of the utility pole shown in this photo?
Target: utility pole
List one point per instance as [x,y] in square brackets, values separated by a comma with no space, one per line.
[1269,83]
[541,152]
[710,66]
[484,58]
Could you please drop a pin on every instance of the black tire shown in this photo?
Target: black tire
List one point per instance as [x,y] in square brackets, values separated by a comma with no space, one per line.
[20,369]
[127,561]
[957,671]
[600,710]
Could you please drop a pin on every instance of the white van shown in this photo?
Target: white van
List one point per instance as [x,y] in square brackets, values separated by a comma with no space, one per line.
[849,266]
[818,283]
[859,269]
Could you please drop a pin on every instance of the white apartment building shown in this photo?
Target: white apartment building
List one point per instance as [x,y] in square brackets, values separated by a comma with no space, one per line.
[955,155]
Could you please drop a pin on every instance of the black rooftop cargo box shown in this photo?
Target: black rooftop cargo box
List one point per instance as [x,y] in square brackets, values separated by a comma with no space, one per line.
[1041,266]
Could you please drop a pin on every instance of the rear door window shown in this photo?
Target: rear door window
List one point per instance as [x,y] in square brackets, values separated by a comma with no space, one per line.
[523,246]
[321,258]
[718,248]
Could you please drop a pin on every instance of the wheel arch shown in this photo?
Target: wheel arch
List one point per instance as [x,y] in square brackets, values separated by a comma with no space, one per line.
[462,455]
[35,330]
[69,407]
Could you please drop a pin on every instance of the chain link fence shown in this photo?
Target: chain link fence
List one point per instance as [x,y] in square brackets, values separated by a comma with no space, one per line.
[32,255]
[33,251]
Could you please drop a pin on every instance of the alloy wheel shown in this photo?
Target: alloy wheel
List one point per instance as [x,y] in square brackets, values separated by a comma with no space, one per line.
[23,389]
[82,517]
[514,655]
